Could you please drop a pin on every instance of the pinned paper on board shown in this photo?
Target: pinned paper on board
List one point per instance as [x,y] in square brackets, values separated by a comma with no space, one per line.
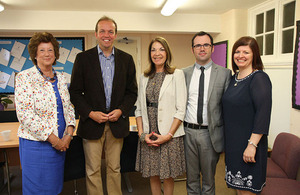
[11,81]
[73,54]
[18,64]
[63,55]
[4,56]
[4,77]
[17,49]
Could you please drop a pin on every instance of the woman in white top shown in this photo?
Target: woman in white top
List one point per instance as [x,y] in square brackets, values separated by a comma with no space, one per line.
[160,111]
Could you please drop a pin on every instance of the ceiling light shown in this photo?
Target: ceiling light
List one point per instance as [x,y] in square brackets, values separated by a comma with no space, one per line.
[171,6]
[1,7]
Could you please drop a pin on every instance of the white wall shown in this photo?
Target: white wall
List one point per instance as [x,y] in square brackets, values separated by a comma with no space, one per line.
[281,79]
[18,20]
[233,26]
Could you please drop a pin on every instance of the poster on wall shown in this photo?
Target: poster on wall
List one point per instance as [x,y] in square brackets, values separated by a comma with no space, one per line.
[219,56]
[296,71]
[14,57]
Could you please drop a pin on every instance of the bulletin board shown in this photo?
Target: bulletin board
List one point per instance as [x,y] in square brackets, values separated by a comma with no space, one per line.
[219,56]
[296,71]
[14,57]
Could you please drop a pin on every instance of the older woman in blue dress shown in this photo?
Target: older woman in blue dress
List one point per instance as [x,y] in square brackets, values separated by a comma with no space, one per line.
[46,117]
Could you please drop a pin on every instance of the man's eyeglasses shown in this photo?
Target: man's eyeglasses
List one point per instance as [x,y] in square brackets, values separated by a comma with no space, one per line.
[205,46]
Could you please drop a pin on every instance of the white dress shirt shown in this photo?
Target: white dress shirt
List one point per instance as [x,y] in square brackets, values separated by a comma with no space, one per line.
[192,103]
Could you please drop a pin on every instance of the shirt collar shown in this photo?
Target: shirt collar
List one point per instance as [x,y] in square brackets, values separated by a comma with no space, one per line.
[100,52]
[206,66]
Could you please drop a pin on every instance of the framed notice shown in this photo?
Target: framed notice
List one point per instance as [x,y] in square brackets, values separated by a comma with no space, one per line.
[296,71]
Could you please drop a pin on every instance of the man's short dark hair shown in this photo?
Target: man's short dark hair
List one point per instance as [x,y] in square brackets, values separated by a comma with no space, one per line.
[202,33]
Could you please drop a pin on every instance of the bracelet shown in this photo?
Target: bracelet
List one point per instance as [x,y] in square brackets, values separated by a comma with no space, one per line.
[53,145]
[69,135]
[251,143]
[142,137]
[171,134]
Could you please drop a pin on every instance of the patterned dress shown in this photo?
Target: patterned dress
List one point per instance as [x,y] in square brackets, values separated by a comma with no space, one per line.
[164,161]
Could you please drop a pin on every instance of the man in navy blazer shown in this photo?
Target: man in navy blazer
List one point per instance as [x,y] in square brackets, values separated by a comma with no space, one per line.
[204,131]
[103,90]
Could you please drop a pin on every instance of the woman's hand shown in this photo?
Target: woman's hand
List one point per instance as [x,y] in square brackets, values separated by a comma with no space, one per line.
[67,138]
[250,151]
[61,146]
[148,140]
[160,139]
[249,154]
[57,143]
[66,141]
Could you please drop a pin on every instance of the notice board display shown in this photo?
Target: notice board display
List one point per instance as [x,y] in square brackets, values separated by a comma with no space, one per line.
[296,71]
[14,57]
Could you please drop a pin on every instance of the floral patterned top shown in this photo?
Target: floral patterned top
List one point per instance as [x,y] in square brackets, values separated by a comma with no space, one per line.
[36,105]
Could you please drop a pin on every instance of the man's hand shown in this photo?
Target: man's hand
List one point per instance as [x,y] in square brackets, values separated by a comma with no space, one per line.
[114,115]
[98,116]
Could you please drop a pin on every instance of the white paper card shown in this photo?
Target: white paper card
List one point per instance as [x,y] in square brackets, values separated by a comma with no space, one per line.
[4,56]
[73,54]
[18,64]
[63,55]
[17,49]
[11,81]
[4,77]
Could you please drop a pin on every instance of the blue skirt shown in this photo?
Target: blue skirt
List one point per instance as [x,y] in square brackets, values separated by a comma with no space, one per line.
[42,168]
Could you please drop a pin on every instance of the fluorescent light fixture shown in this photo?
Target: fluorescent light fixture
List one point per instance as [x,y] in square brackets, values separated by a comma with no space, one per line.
[171,6]
[1,7]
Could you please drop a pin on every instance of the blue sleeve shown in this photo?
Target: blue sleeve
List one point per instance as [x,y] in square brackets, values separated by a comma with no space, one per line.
[261,94]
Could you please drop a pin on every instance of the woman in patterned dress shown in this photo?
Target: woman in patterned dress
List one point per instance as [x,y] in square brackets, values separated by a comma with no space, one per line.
[46,117]
[160,111]
[247,109]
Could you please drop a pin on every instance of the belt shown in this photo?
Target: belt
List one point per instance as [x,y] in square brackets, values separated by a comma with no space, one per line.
[152,104]
[194,126]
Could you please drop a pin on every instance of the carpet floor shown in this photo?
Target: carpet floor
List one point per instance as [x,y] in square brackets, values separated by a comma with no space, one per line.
[140,185]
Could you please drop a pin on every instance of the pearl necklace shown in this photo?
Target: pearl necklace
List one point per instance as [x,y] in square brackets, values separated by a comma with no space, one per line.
[240,80]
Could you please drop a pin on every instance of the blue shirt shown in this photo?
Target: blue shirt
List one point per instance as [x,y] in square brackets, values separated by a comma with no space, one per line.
[107,65]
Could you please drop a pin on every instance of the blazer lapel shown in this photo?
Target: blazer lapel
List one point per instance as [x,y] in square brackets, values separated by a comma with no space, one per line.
[145,82]
[213,76]
[188,77]
[166,82]
[117,69]
[94,58]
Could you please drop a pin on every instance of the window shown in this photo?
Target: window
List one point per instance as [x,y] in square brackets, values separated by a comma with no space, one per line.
[273,26]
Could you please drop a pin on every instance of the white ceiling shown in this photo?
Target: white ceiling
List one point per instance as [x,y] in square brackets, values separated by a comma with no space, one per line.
[150,6]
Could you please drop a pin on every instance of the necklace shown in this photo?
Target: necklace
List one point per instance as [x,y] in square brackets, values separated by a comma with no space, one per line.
[240,80]
[48,78]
